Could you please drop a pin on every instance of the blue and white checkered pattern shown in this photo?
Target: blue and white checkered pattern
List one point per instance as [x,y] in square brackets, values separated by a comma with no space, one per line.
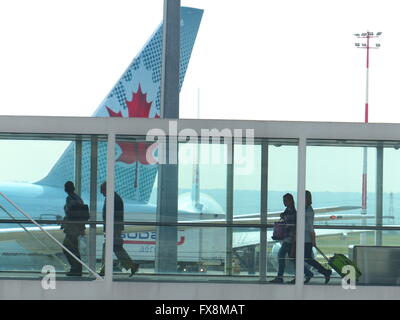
[145,70]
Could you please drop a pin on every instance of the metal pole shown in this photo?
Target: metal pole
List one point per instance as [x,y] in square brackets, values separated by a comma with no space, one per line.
[170,60]
[196,185]
[93,200]
[78,166]
[300,222]
[167,193]
[229,207]
[379,194]
[365,153]
[367,84]
[264,211]
[110,209]
[367,35]
[363,235]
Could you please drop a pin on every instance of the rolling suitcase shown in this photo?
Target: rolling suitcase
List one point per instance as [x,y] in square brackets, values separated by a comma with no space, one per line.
[338,261]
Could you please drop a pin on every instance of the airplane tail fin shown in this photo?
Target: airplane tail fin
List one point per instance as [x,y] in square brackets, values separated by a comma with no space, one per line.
[136,94]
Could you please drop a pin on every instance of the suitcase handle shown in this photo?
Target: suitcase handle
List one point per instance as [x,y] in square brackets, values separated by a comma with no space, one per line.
[319,250]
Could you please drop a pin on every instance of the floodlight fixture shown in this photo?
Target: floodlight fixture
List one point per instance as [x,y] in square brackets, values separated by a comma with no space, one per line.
[357,44]
[378,33]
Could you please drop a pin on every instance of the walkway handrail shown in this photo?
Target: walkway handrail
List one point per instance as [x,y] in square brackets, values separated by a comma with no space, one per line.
[51,237]
[32,235]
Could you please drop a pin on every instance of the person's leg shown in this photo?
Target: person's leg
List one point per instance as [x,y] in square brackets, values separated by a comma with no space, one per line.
[103,254]
[122,255]
[308,259]
[67,244]
[307,256]
[283,251]
[71,242]
[315,264]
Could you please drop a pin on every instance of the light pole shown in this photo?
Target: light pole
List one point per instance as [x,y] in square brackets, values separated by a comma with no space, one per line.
[366,36]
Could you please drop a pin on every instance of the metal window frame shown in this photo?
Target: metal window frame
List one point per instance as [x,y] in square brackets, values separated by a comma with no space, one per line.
[12,126]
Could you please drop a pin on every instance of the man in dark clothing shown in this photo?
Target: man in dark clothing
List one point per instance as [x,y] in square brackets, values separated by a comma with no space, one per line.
[119,250]
[72,231]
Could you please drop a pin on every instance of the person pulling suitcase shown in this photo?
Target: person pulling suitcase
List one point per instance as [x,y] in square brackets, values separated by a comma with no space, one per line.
[309,243]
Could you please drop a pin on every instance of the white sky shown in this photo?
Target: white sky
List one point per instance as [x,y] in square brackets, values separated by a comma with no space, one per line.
[255,59]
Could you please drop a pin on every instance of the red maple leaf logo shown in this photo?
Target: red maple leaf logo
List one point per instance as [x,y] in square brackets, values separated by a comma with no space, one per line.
[138,107]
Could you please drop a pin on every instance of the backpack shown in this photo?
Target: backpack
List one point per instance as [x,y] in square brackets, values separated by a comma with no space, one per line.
[79,212]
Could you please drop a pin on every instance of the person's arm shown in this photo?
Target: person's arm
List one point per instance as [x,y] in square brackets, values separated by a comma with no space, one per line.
[309,224]
[68,204]
[118,211]
[313,238]
[66,207]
